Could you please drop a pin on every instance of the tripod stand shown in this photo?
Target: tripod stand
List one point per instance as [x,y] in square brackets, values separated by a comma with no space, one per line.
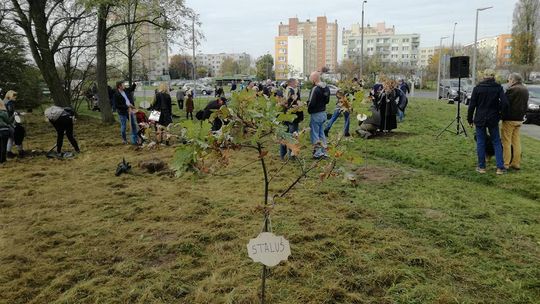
[460,127]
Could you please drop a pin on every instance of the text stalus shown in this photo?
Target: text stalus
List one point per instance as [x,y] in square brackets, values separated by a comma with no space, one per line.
[271,247]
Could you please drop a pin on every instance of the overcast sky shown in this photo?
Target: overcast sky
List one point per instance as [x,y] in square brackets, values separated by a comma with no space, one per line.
[250,26]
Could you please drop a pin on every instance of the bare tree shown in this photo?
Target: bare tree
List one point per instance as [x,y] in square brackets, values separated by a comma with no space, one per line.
[47,26]
[172,16]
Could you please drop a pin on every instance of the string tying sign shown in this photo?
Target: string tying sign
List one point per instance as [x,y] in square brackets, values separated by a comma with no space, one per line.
[269,249]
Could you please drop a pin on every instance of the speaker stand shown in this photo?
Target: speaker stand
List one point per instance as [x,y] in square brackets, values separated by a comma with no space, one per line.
[460,127]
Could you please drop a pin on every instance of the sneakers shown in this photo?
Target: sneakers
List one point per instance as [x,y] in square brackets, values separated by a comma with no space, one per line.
[501,171]
[481,170]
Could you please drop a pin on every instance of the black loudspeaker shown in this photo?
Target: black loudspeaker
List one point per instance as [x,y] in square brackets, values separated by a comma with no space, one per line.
[459,67]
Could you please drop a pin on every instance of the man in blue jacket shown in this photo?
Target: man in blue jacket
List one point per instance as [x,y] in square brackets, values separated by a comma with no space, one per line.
[318,99]
[488,101]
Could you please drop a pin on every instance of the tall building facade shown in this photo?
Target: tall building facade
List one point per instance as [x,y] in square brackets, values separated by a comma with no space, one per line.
[320,42]
[504,50]
[392,48]
[289,57]
[213,62]
[151,60]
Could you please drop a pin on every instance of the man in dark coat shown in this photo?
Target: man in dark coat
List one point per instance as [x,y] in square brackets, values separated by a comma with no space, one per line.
[518,99]
[125,107]
[318,99]
[488,101]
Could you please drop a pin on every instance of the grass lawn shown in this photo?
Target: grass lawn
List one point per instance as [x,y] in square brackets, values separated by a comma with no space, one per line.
[421,227]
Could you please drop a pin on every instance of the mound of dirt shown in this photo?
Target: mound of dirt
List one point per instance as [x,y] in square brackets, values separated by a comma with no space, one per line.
[153,165]
[377,174]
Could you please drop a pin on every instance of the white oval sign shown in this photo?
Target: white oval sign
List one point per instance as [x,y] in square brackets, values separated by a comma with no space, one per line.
[269,249]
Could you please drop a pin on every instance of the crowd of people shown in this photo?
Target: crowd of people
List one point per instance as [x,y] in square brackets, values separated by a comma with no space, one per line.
[489,104]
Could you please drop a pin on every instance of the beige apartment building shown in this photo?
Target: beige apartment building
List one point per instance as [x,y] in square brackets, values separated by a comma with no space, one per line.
[320,43]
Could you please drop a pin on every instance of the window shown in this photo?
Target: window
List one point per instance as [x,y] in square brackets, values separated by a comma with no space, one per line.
[508,48]
[281,58]
[395,48]
[395,40]
[507,56]
[406,40]
[405,48]
[508,40]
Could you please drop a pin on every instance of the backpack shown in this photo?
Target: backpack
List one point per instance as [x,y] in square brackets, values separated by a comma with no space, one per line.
[54,112]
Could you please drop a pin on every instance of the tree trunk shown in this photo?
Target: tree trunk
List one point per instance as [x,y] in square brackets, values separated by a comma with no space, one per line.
[130,57]
[42,54]
[101,66]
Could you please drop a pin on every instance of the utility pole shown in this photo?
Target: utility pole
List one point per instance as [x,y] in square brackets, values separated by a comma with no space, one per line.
[475,51]
[193,42]
[362,44]
[453,38]
[439,71]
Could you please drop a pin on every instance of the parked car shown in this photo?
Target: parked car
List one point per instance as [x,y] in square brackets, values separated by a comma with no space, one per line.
[448,89]
[199,88]
[533,110]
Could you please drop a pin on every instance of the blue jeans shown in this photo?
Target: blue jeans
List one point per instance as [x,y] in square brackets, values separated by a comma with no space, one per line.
[317,133]
[123,126]
[401,115]
[335,116]
[481,136]
[291,128]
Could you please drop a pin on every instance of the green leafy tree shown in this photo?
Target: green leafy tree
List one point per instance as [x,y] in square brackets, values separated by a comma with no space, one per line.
[229,67]
[525,34]
[265,65]
[348,69]
[180,66]
[16,73]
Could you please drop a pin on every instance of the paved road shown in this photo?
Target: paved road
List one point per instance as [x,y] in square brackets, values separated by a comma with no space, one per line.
[425,94]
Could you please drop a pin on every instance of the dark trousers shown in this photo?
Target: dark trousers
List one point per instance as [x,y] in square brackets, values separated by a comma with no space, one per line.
[4,137]
[188,115]
[64,124]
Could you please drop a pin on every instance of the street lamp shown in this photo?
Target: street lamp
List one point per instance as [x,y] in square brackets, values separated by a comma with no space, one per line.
[475,51]
[362,44]
[453,38]
[439,70]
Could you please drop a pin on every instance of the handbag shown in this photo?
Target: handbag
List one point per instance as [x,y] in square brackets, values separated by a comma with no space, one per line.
[154,115]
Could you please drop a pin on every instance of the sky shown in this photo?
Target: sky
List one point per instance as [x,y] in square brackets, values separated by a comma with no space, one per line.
[235,26]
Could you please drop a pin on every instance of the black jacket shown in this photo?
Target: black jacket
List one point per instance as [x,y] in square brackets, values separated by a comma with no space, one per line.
[164,105]
[488,101]
[518,99]
[319,98]
[120,102]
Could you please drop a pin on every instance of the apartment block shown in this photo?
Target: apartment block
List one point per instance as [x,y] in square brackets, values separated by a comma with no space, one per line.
[213,61]
[504,50]
[289,58]
[151,61]
[392,48]
[424,56]
[320,42]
